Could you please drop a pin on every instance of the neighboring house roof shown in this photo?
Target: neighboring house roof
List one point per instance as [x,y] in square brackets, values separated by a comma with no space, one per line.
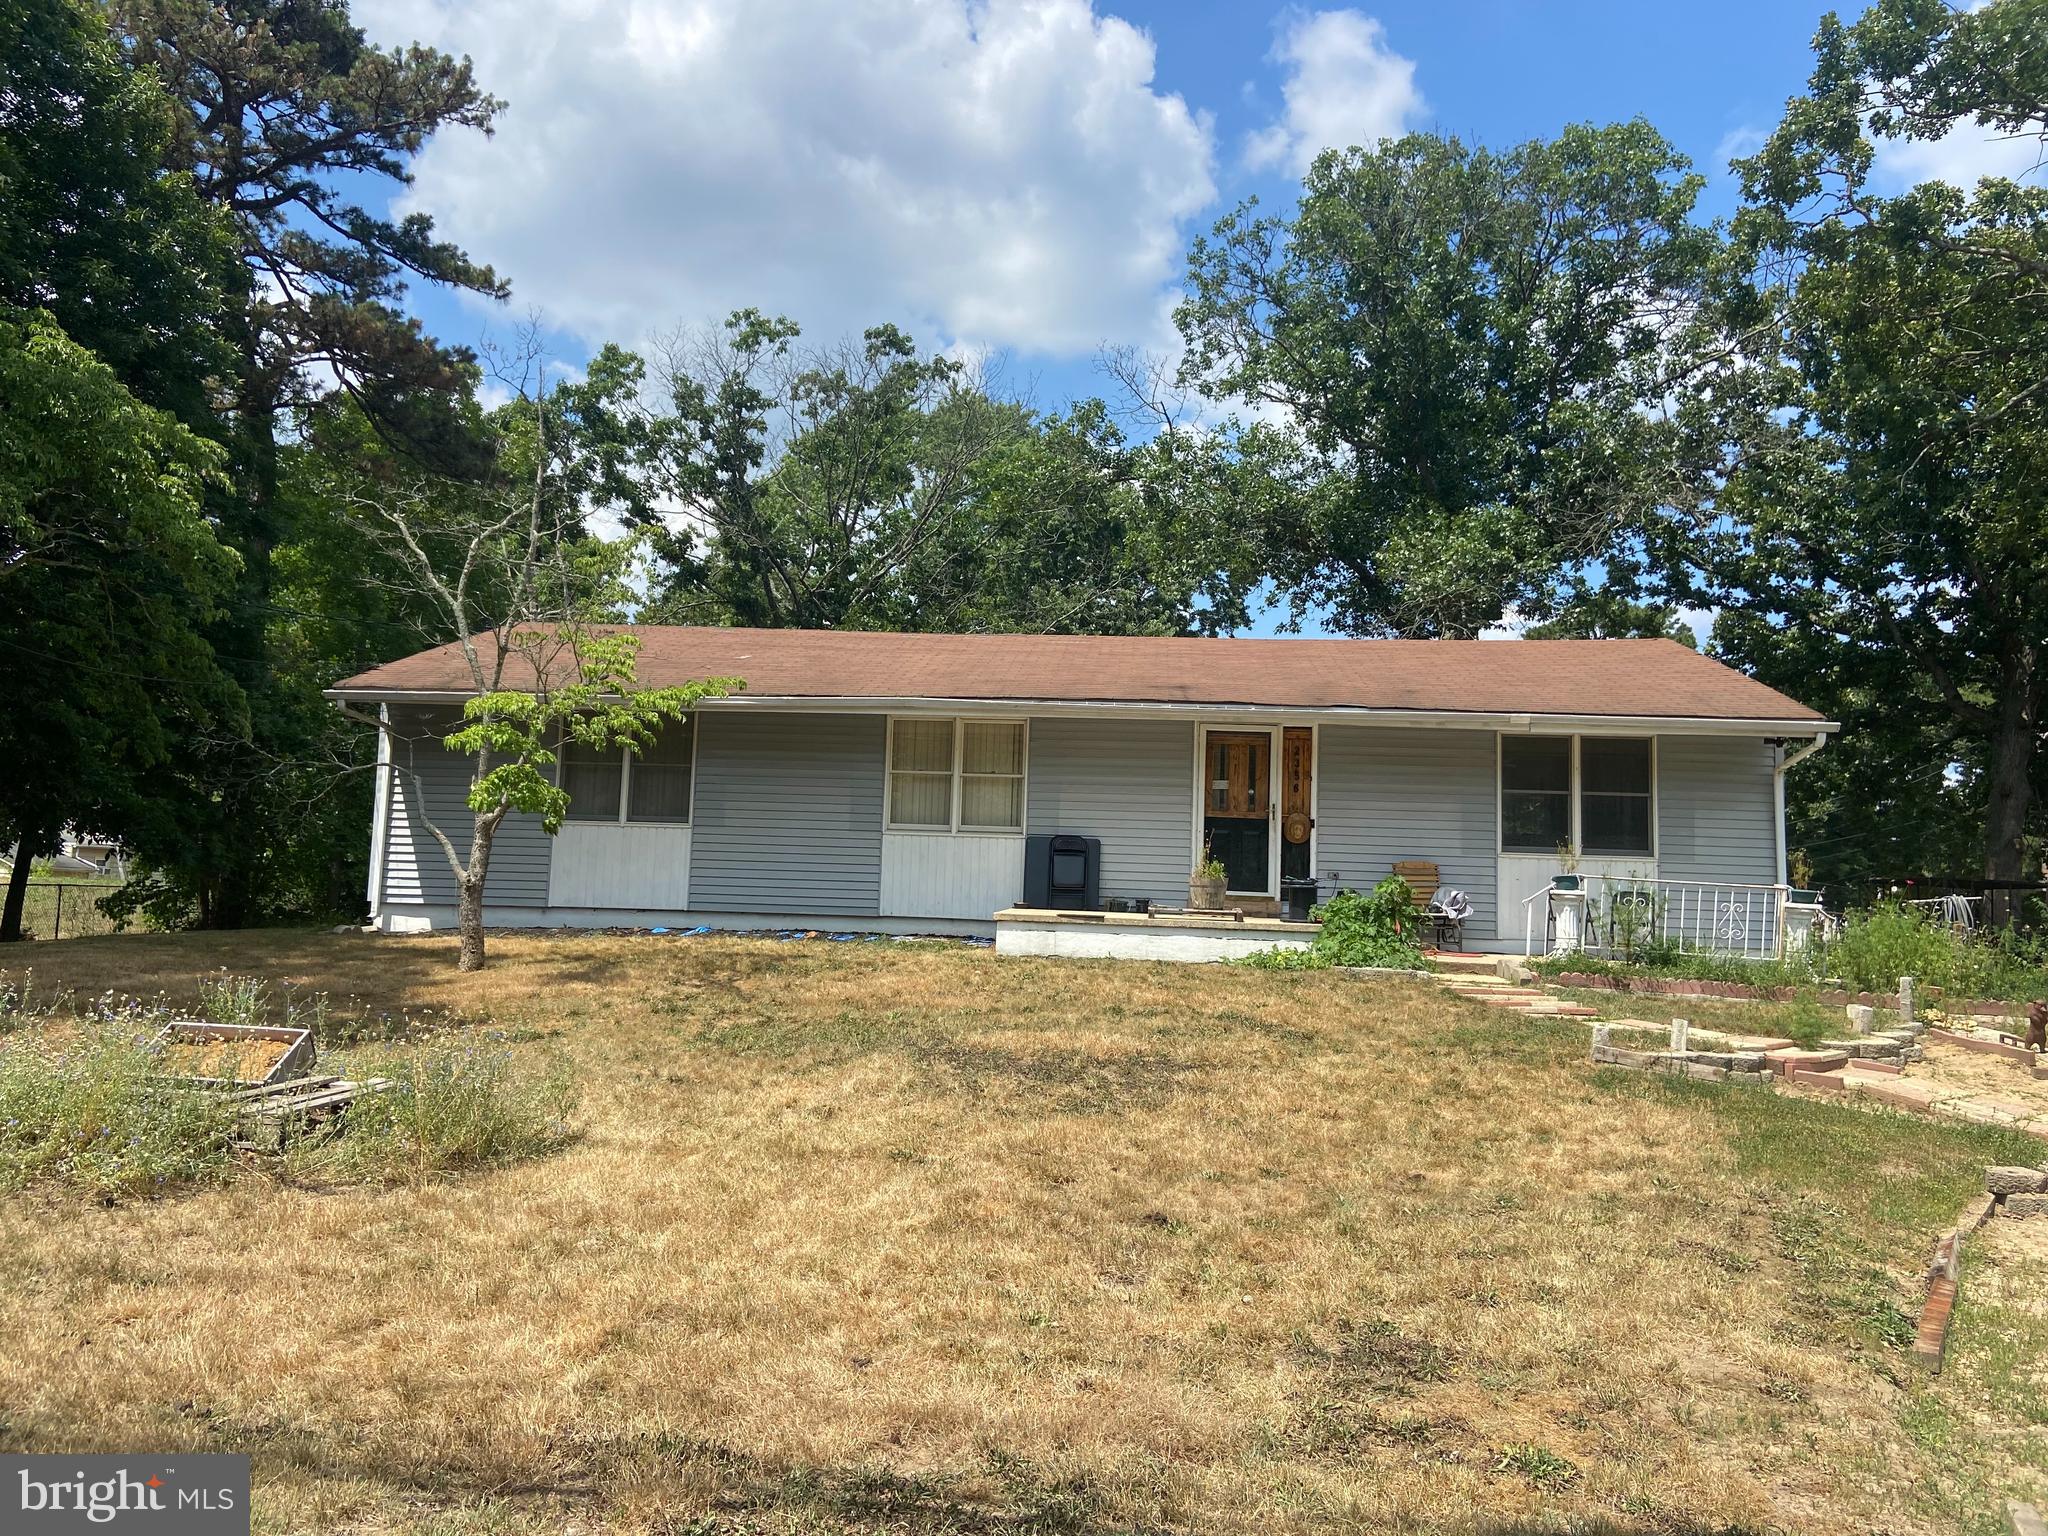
[1590,679]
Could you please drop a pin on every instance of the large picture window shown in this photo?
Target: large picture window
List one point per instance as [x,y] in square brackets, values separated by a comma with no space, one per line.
[956,775]
[620,785]
[1610,777]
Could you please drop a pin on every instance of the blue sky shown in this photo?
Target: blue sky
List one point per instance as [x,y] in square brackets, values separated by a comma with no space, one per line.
[1500,71]
[1010,179]
[1489,70]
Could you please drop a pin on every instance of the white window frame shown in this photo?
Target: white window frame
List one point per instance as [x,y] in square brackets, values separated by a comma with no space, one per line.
[1576,795]
[954,826]
[625,816]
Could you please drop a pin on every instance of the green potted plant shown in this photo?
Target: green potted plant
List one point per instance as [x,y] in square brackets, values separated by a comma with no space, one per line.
[1206,884]
[1567,876]
[1803,892]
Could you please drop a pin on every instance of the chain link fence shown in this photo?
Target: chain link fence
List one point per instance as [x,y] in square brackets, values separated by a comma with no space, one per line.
[66,909]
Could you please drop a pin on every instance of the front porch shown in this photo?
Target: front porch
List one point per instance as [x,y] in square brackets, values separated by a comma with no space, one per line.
[1199,936]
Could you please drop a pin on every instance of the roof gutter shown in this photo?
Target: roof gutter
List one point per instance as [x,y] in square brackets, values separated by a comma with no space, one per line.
[1498,720]
[1785,765]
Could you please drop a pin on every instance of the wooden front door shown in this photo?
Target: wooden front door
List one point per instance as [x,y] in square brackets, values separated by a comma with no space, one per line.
[1297,758]
[1237,805]
[1240,773]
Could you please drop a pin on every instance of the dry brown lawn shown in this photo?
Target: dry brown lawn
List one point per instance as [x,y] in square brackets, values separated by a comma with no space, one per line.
[886,1236]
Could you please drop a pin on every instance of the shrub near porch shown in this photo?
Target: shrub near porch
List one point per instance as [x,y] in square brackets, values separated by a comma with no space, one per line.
[865,1236]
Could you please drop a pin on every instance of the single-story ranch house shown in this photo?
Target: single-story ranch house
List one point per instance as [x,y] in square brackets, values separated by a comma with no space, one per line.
[911,783]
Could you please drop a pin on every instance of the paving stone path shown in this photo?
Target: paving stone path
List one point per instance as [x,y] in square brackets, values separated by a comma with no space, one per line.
[1816,1071]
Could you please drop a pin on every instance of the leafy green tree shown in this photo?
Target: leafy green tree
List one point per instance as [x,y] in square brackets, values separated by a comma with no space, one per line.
[868,486]
[537,690]
[1875,485]
[107,571]
[286,119]
[124,257]
[91,468]
[110,274]
[1603,613]
[819,477]
[507,578]
[1071,528]
[1460,354]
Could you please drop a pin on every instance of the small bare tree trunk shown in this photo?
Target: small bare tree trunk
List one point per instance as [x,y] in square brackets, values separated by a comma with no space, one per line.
[469,923]
[469,900]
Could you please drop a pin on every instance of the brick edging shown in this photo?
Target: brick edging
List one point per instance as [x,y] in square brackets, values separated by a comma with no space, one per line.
[1944,1285]
[1980,1044]
[1930,1334]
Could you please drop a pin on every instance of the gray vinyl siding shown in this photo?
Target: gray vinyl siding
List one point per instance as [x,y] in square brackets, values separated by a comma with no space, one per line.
[789,814]
[433,783]
[1130,783]
[1715,810]
[1385,794]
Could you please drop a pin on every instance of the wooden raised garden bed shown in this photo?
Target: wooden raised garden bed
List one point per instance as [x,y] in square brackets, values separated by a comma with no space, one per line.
[277,1113]
[231,1055]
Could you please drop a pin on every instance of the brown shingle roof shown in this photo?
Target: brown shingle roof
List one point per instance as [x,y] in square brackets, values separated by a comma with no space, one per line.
[1658,678]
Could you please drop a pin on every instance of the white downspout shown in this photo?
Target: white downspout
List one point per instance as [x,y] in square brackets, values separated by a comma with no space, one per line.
[380,823]
[1778,792]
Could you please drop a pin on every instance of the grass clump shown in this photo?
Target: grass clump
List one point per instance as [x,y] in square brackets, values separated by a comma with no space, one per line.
[446,1111]
[1376,928]
[1668,958]
[80,1107]
[1536,1465]
[1869,953]
[85,1105]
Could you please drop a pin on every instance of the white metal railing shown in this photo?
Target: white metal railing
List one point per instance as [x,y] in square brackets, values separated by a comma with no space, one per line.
[1616,914]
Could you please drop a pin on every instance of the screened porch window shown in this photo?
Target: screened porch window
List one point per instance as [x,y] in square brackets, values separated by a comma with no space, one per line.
[956,775]
[1614,795]
[620,785]
[1609,777]
[1535,793]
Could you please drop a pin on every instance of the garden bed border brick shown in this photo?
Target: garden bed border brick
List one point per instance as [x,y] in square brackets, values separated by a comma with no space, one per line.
[1983,1046]
[1944,1284]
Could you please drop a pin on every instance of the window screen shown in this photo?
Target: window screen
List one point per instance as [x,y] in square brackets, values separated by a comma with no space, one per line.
[659,787]
[1614,795]
[992,775]
[591,778]
[1535,793]
[921,773]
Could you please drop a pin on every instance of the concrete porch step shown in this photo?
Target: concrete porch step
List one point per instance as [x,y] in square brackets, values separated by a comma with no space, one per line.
[1462,963]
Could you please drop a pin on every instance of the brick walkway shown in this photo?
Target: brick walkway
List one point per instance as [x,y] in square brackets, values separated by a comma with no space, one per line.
[1830,1072]
[1928,1096]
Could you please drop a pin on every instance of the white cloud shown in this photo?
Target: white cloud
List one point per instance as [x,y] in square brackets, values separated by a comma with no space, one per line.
[1510,626]
[1964,155]
[1344,86]
[1700,621]
[1739,143]
[990,172]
